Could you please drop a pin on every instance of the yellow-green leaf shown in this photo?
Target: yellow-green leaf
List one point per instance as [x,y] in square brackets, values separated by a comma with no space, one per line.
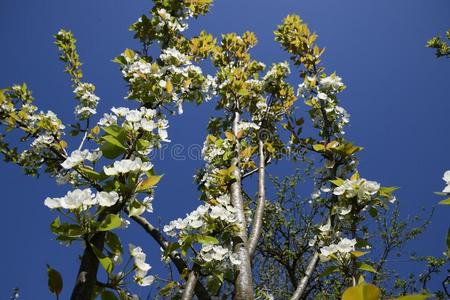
[363,291]
[445,202]
[95,130]
[358,253]
[337,181]
[318,147]
[366,267]
[169,87]
[149,182]
[355,176]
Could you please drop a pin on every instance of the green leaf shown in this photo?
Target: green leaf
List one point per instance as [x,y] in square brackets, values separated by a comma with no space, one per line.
[358,253]
[104,260]
[55,225]
[55,281]
[414,297]
[111,222]
[2,96]
[373,212]
[366,267]
[362,291]
[148,183]
[206,239]
[108,295]
[111,151]
[328,271]
[214,282]
[113,141]
[129,53]
[386,191]
[92,173]
[114,130]
[243,92]
[445,202]
[113,242]
[166,290]
[440,193]
[337,181]
[169,87]
[135,208]
[318,147]
[66,229]
[355,176]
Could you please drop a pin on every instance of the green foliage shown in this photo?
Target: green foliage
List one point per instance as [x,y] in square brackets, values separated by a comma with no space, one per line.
[441,46]
[111,222]
[55,281]
[362,291]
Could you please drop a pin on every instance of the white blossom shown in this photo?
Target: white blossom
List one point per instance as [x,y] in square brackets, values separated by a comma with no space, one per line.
[446,178]
[126,166]
[107,198]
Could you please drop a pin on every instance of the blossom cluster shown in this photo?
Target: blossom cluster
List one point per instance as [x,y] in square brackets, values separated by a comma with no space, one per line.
[126,166]
[83,199]
[320,93]
[145,119]
[46,129]
[217,253]
[341,250]
[203,214]
[141,267]
[221,214]
[176,80]
[214,148]
[84,92]
[276,72]
[173,23]
[77,157]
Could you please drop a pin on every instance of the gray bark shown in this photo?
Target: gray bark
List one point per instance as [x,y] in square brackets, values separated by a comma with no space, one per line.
[243,281]
[259,212]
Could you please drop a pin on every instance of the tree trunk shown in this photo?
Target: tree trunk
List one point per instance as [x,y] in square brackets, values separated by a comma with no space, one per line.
[243,281]
[259,212]
[87,274]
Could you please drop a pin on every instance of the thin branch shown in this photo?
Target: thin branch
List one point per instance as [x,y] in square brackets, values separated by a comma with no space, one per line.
[250,173]
[304,281]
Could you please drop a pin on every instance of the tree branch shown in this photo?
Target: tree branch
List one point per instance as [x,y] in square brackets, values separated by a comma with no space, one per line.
[180,264]
[304,281]
[188,292]
[259,212]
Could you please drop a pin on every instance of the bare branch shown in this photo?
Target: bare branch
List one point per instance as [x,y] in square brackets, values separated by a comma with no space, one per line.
[304,281]
[188,292]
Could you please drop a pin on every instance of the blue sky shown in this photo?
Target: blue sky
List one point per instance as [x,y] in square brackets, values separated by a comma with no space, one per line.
[398,95]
